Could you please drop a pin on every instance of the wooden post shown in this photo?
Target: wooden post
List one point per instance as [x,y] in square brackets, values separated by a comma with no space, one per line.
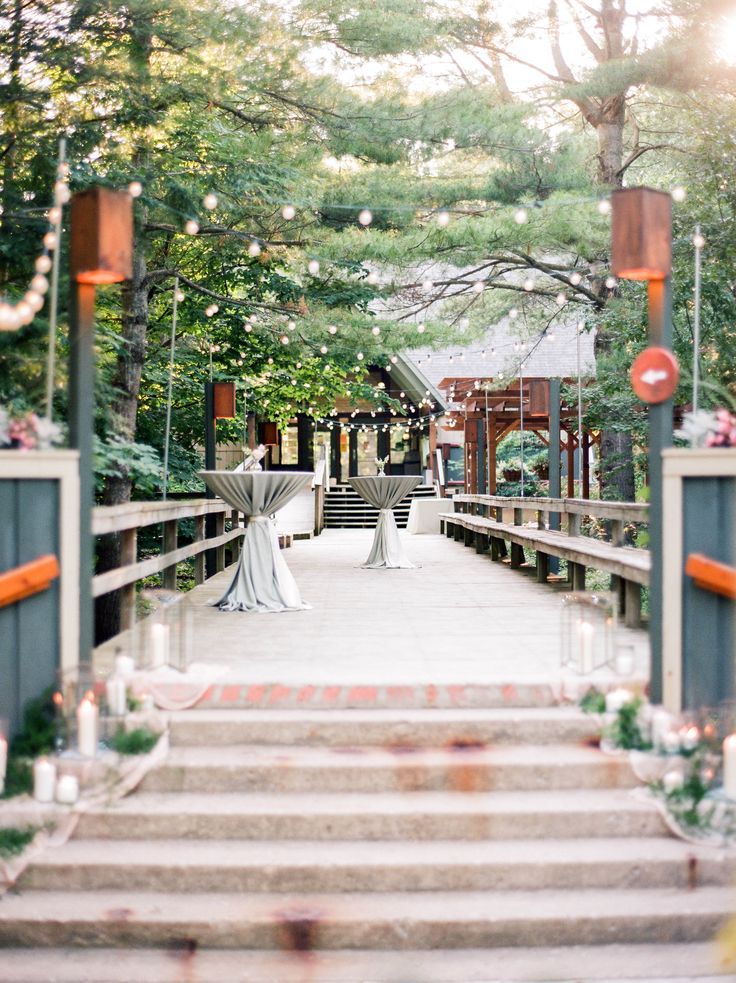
[128,555]
[632,618]
[570,464]
[585,454]
[200,573]
[517,552]
[542,567]
[210,464]
[492,448]
[236,543]
[170,538]
[220,550]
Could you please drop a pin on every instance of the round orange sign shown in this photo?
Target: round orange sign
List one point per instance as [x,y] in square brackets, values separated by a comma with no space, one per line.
[654,375]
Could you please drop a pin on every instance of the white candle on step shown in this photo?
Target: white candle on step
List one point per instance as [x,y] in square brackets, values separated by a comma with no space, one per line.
[586,633]
[44,780]
[67,790]
[87,714]
[3,762]
[159,645]
[124,666]
[729,766]
[117,702]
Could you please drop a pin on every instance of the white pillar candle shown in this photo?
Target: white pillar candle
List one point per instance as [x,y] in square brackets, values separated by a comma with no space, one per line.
[672,781]
[87,714]
[625,663]
[117,702]
[729,766]
[671,742]
[124,666]
[661,727]
[44,780]
[3,762]
[586,633]
[67,790]
[159,645]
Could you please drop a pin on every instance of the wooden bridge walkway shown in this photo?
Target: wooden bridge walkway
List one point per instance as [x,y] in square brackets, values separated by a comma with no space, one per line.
[459,622]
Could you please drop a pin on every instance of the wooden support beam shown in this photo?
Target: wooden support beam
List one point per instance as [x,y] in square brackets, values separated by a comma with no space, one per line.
[632,614]
[542,567]
[28,579]
[170,542]
[199,562]
[128,556]
[578,576]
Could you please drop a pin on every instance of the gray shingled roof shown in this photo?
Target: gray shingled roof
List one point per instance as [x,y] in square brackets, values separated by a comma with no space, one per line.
[551,358]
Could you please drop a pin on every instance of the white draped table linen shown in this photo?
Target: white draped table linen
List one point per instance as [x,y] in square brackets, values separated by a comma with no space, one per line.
[383,492]
[262,581]
[424,514]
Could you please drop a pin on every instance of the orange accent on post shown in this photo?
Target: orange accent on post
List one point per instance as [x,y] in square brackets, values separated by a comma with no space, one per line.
[28,579]
[710,575]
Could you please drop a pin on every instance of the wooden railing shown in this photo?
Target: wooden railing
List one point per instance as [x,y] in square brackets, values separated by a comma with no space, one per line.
[127,519]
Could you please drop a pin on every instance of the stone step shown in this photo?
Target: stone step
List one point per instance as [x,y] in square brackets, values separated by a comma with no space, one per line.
[694,963]
[381,727]
[361,696]
[332,867]
[259,768]
[407,920]
[375,816]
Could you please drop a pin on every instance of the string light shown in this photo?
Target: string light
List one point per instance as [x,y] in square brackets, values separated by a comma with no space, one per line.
[521,216]
[210,201]
[372,279]
[679,193]
[191,227]
[254,249]
[604,206]
[421,328]
[561,300]
[332,328]
[528,284]
[698,240]
[135,189]
[288,212]
[610,282]
[443,219]
[575,279]
[313,267]
[211,310]
[375,330]
[365,216]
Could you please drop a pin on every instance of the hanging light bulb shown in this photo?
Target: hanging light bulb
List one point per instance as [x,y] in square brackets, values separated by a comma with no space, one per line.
[360,356]
[427,285]
[394,359]
[372,279]
[288,212]
[478,287]
[284,339]
[39,284]
[575,278]
[679,193]
[254,249]
[49,241]
[43,264]
[561,300]
[604,206]
[323,349]
[611,282]
[54,215]
[313,267]
[248,327]
[179,294]
[521,215]
[375,330]
[211,310]
[698,240]
[528,284]
[443,219]
[210,201]
[365,216]
[332,328]
[135,189]
[191,227]
[421,328]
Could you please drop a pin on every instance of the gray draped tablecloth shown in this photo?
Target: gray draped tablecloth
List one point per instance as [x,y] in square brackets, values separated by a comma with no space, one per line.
[383,491]
[262,581]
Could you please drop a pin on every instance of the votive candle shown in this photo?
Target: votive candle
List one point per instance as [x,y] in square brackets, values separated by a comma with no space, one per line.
[67,790]
[586,632]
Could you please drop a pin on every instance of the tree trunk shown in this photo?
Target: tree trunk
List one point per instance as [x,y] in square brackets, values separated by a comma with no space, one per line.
[122,420]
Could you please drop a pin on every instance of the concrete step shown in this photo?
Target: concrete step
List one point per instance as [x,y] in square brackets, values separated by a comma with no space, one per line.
[332,867]
[395,921]
[259,768]
[695,963]
[375,816]
[382,727]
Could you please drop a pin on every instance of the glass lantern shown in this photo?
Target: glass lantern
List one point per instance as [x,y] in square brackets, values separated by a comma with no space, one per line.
[165,634]
[588,631]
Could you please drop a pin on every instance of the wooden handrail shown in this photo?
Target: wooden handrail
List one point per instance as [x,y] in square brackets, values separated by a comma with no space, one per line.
[28,579]
[624,511]
[136,515]
[711,575]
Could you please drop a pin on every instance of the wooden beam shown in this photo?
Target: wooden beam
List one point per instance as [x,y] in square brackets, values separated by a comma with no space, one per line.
[28,579]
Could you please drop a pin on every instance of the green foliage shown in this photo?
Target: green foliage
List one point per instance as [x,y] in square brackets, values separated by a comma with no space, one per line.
[14,840]
[593,701]
[625,732]
[18,776]
[138,741]
[39,727]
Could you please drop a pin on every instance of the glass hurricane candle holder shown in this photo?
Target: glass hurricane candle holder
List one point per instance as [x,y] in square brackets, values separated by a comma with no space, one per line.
[588,630]
[165,634]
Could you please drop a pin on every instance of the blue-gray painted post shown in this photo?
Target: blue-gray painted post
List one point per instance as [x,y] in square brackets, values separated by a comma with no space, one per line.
[482,458]
[81,430]
[660,437]
[554,453]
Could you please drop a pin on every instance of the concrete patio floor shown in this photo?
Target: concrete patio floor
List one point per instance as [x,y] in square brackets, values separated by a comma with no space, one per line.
[459,619]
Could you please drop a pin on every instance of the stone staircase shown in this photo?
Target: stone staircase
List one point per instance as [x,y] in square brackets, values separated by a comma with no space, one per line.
[345,509]
[404,845]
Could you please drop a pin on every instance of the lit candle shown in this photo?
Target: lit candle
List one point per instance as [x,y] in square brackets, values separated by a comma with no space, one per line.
[124,666]
[586,632]
[147,702]
[672,781]
[159,645]
[117,702]
[3,762]
[87,714]
[44,780]
[671,742]
[729,766]
[67,790]
[661,726]
[689,738]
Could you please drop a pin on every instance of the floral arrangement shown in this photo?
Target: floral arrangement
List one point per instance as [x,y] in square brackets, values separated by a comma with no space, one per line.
[709,428]
[27,432]
[381,463]
[680,763]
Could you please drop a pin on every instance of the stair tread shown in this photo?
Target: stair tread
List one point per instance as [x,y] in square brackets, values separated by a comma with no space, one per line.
[306,853]
[377,803]
[646,963]
[136,907]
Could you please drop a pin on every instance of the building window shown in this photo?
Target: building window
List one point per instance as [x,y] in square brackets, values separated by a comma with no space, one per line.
[455,465]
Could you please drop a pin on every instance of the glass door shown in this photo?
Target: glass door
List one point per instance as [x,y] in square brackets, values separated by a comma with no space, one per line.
[367,441]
